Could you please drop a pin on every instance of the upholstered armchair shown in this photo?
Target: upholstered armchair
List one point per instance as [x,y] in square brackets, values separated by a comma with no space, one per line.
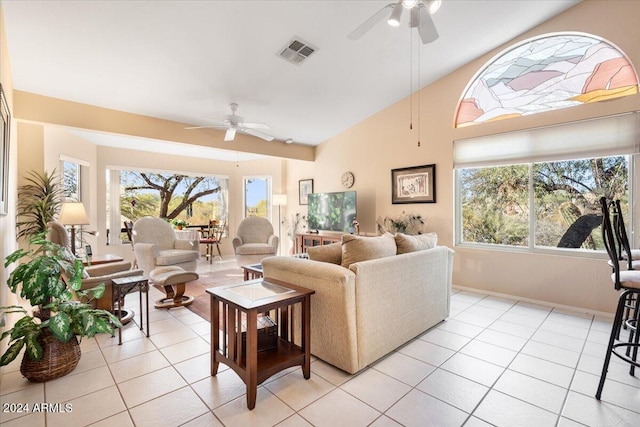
[255,239]
[156,245]
[94,275]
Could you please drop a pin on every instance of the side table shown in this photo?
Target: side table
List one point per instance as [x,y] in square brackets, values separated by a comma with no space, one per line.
[246,300]
[252,271]
[123,286]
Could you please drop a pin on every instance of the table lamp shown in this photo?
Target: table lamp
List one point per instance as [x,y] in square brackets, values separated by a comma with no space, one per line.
[73,213]
[279,200]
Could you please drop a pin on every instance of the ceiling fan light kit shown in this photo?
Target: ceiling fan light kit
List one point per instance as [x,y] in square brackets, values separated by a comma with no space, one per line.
[421,11]
[394,19]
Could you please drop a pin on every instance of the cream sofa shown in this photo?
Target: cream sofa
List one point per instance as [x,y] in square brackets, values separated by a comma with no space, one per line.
[361,313]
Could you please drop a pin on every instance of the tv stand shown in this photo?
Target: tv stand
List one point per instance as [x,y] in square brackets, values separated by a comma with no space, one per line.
[316,238]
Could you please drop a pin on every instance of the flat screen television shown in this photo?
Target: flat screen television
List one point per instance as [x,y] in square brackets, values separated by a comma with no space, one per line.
[332,211]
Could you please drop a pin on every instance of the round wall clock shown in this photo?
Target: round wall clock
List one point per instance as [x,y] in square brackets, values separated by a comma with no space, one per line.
[347,179]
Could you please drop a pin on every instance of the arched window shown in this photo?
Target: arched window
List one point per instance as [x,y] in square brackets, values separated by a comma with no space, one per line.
[546,73]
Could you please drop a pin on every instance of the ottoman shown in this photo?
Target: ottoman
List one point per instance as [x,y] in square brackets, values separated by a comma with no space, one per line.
[173,280]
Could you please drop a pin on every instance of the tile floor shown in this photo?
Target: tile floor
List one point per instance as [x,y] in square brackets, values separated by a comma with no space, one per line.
[493,362]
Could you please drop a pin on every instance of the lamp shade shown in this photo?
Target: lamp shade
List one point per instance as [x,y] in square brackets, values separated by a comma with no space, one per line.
[73,213]
[279,199]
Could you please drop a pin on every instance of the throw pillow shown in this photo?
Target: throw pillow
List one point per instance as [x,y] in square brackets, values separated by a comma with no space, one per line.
[419,242]
[357,248]
[327,253]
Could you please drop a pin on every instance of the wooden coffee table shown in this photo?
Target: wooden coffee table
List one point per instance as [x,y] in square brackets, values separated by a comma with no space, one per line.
[246,300]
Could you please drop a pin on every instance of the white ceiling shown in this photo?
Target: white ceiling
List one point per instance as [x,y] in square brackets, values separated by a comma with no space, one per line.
[187,60]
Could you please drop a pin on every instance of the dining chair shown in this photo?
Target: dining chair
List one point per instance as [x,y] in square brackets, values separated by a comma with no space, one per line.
[213,236]
[627,281]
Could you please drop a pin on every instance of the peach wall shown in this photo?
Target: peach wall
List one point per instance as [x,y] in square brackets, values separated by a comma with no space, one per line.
[383,142]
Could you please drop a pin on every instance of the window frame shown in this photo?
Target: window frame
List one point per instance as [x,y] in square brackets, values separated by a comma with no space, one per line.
[114,192]
[269,191]
[632,223]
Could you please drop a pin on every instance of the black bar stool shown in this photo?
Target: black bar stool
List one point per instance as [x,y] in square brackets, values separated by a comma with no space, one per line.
[628,281]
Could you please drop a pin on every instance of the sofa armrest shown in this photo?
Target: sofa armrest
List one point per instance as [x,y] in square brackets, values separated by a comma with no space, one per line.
[237,241]
[400,297]
[333,310]
[146,254]
[92,281]
[191,245]
[106,269]
[273,241]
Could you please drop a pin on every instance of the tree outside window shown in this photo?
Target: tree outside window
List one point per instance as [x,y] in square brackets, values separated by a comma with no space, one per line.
[256,196]
[499,206]
[71,180]
[194,199]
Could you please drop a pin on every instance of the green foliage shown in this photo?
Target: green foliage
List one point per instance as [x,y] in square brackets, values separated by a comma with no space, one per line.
[405,223]
[49,281]
[496,206]
[39,201]
[162,195]
[179,222]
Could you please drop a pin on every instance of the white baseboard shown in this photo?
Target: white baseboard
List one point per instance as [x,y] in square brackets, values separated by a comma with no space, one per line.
[538,302]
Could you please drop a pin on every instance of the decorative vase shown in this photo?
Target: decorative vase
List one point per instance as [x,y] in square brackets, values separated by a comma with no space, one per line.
[58,359]
[179,227]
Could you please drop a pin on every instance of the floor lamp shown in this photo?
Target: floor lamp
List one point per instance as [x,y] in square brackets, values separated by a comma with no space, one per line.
[280,200]
[73,213]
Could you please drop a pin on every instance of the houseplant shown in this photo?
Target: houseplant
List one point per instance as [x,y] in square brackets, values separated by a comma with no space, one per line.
[406,223]
[51,280]
[39,201]
[179,223]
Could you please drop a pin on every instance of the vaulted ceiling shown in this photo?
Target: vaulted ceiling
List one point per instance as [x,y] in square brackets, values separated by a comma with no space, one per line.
[187,60]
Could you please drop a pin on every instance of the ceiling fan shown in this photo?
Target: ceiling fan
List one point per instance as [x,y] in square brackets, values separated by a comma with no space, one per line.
[233,123]
[420,18]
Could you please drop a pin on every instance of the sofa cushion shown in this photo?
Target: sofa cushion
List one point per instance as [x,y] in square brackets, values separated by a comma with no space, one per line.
[326,253]
[357,248]
[255,249]
[411,243]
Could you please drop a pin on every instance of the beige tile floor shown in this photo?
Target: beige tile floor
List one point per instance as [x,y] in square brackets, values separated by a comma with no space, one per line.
[493,362]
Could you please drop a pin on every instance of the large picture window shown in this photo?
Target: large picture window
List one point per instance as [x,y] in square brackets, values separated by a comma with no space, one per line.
[540,205]
[195,199]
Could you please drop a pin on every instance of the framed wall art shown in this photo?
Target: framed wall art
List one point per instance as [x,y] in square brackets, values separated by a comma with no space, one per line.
[416,184]
[5,125]
[305,187]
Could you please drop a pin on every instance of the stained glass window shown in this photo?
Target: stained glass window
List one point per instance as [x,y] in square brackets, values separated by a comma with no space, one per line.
[547,73]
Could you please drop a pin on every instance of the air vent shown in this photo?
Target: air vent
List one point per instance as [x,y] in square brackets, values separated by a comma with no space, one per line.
[297,51]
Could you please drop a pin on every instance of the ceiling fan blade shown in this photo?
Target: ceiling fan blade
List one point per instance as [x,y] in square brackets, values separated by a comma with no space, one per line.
[371,22]
[426,27]
[415,17]
[258,134]
[255,125]
[230,135]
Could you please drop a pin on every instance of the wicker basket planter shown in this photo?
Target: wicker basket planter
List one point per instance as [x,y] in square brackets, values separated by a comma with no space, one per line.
[58,359]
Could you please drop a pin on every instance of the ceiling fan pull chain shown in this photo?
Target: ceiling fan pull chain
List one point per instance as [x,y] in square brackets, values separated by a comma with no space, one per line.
[410,81]
[419,95]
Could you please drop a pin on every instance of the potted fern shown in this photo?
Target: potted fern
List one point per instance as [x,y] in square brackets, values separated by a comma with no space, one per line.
[51,281]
